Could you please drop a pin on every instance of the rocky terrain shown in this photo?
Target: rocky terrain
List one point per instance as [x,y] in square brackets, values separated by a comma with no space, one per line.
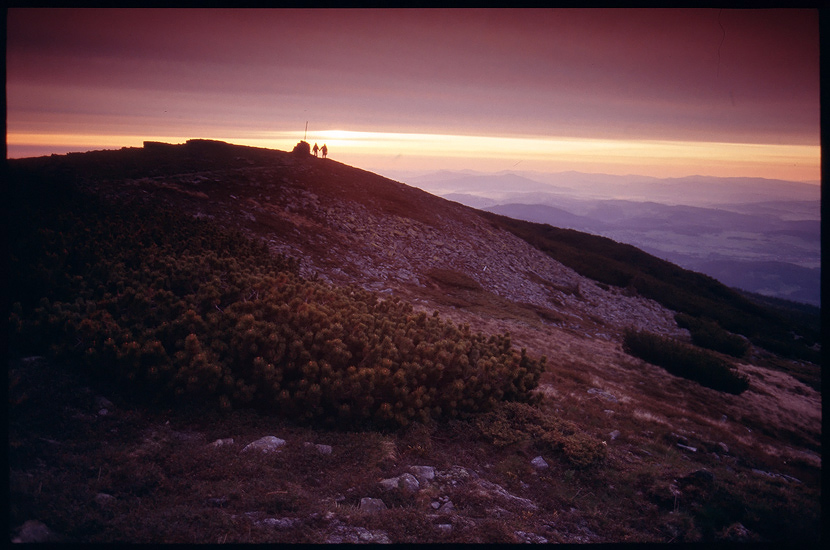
[684,462]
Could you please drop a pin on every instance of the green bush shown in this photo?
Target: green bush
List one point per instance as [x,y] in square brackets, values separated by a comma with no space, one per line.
[182,311]
[708,334]
[686,361]
[516,423]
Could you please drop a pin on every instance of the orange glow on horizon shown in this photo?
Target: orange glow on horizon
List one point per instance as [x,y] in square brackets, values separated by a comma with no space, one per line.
[404,151]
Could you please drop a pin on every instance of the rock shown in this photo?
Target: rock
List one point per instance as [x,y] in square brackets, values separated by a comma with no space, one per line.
[539,463]
[723,447]
[103,403]
[738,533]
[353,535]
[603,394]
[266,444]
[447,507]
[372,504]
[487,488]
[424,474]
[323,449]
[530,538]
[444,528]
[614,435]
[320,448]
[103,412]
[221,442]
[280,523]
[35,531]
[435,505]
[687,448]
[406,483]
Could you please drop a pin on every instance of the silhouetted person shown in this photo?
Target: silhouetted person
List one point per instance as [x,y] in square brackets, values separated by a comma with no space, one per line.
[325,150]
[316,149]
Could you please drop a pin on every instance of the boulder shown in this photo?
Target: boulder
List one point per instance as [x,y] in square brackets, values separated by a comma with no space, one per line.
[266,444]
[406,483]
[372,504]
[319,447]
[35,531]
[425,474]
[539,463]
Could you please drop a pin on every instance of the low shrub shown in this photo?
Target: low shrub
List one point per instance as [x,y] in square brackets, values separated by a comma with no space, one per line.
[182,311]
[516,423]
[685,360]
[708,334]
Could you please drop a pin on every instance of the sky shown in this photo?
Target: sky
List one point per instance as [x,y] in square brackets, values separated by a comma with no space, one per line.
[658,92]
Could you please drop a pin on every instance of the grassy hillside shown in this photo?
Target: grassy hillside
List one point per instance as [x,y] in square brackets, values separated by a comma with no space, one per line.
[182,310]
[625,266]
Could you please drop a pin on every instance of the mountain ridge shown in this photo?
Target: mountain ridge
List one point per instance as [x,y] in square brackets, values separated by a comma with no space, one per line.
[611,433]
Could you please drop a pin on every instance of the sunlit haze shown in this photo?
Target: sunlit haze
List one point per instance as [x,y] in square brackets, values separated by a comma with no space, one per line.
[665,93]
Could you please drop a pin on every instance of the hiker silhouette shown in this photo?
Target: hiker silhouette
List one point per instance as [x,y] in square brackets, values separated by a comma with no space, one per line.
[325,150]
[315,150]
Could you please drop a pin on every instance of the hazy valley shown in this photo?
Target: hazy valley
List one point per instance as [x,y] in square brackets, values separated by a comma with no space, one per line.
[762,236]
[214,343]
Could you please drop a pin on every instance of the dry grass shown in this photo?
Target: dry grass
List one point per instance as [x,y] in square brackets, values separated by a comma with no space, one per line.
[170,486]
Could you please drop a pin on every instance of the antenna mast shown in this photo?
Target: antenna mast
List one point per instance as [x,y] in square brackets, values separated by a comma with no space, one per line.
[306,130]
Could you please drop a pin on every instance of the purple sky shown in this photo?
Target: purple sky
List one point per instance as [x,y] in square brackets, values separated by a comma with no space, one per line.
[81,79]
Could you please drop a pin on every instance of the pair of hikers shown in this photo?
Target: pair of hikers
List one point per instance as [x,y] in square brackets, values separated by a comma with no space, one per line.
[323,150]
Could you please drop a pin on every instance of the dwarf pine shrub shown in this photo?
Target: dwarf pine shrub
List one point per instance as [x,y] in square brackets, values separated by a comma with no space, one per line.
[185,312]
[685,360]
[513,423]
[708,334]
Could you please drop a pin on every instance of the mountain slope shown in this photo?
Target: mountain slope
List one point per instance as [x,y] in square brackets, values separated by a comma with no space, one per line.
[692,463]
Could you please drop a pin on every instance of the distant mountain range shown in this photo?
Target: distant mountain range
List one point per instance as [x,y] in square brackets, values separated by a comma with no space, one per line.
[756,234]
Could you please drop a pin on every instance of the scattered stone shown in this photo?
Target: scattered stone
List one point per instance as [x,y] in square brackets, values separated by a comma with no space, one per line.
[771,474]
[372,504]
[323,449]
[266,444]
[220,442]
[609,412]
[346,534]
[35,531]
[530,538]
[614,435]
[738,533]
[103,412]
[488,488]
[280,523]
[603,394]
[424,474]
[444,528]
[320,448]
[447,508]
[435,504]
[103,403]
[405,482]
[687,448]
[539,463]
[724,449]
